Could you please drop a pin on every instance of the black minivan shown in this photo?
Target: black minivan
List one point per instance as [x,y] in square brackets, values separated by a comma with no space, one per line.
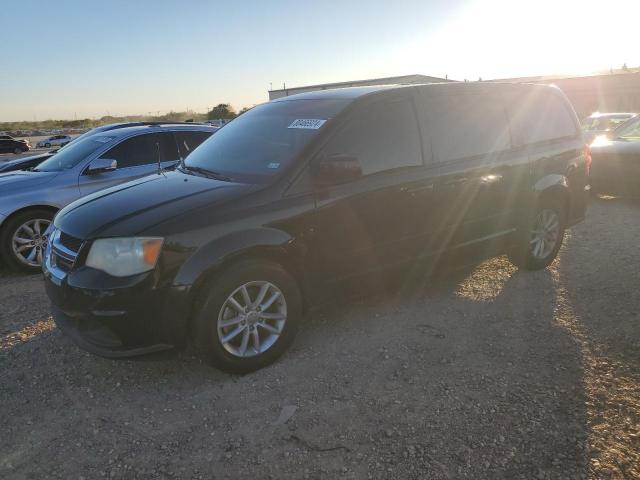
[309,192]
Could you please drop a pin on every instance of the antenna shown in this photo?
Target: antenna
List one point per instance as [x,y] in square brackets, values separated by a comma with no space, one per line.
[160,172]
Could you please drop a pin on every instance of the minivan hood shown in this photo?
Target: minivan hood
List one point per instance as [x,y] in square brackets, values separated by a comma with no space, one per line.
[21,180]
[132,207]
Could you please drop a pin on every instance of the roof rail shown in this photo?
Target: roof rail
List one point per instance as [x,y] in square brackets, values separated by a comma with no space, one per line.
[171,123]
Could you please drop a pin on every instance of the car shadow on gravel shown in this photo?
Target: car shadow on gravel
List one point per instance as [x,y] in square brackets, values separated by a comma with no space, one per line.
[468,375]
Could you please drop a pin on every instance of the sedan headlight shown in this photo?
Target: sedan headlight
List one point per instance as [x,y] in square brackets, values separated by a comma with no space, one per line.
[122,257]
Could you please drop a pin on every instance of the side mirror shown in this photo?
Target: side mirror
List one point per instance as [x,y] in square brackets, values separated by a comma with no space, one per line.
[101,165]
[336,169]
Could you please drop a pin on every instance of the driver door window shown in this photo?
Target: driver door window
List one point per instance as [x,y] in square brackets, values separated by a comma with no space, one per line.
[383,136]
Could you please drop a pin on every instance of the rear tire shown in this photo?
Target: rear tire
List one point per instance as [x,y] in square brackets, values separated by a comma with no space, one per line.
[47,145]
[13,237]
[250,316]
[540,242]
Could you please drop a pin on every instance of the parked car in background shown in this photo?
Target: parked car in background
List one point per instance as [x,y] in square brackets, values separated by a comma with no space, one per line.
[311,193]
[26,163]
[8,144]
[601,123]
[23,163]
[219,123]
[54,141]
[616,161]
[30,199]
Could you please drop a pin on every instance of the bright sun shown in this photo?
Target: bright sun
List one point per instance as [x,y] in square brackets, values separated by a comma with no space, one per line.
[509,38]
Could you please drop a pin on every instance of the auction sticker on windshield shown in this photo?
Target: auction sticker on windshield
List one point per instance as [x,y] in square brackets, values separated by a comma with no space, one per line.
[307,123]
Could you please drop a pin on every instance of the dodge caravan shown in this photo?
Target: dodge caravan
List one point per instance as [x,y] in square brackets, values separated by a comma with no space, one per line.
[310,192]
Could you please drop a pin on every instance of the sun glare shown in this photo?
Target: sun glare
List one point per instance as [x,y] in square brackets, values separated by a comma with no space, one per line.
[501,39]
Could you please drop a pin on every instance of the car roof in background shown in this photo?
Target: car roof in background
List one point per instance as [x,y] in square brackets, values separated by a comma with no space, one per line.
[127,129]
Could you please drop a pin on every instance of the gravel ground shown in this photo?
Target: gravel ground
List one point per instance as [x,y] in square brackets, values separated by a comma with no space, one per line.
[483,373]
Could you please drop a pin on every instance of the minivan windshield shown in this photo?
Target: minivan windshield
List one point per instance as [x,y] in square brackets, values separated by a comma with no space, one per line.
[72,155]
[263,141]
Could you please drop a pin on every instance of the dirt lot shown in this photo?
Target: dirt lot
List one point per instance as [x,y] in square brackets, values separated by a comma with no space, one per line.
[484,373]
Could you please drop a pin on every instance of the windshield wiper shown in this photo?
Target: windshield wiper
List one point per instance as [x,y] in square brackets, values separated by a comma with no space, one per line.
[206,172]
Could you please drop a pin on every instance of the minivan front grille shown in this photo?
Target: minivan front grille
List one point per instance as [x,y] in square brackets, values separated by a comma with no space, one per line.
[64,251]
[69,242]
[63,263]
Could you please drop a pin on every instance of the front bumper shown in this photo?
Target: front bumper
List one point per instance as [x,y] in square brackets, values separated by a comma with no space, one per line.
[116,317]
[97,338]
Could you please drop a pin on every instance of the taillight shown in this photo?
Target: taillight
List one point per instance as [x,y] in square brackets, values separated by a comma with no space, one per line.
[587,159]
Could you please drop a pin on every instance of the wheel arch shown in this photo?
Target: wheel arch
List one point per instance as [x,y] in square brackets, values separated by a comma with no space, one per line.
[553,187]
[267,244]
[22,210]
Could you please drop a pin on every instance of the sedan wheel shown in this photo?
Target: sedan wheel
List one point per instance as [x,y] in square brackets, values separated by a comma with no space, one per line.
[252,319]
[17,150]
[29,241]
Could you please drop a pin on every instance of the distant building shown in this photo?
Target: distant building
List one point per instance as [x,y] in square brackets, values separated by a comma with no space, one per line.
[617,92]
[406,79]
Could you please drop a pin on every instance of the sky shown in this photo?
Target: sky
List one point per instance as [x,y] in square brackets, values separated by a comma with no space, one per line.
[81,58]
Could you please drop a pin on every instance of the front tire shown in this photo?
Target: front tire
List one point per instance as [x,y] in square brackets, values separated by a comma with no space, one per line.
[540,242]
[17,150]
[47,145]
[250,316]
[22,240]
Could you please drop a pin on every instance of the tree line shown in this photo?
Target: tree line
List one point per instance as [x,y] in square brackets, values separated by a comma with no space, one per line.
[221,111]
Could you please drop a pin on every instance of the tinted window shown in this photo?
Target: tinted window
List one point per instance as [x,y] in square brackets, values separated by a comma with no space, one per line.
[630,131]
[188,141]
[466,125]
[540,115]
[263,141]
[605,123]
[73,154]
[143,150]
[382,136]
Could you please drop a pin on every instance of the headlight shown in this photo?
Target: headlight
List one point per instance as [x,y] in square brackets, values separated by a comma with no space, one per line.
[122,257]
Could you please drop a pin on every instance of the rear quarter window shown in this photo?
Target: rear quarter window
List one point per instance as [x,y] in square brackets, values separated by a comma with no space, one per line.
[540,115]
[188,141]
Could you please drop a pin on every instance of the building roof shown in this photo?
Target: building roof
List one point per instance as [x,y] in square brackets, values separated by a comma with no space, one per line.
[551,78]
